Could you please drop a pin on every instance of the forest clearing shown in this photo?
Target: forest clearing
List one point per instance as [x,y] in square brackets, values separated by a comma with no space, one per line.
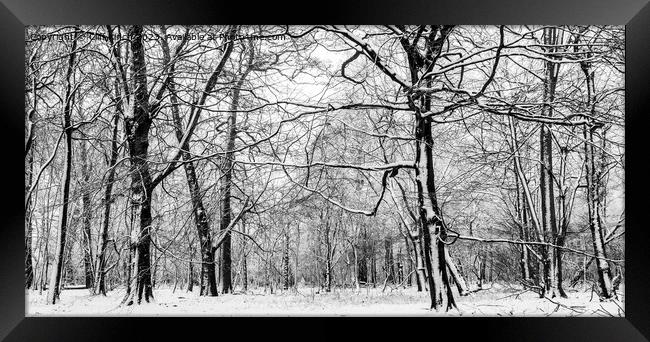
[325,170]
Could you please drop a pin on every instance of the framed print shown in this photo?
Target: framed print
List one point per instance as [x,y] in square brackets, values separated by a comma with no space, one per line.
[193,170]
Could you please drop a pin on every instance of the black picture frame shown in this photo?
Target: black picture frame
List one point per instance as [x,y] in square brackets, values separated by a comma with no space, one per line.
[635,14]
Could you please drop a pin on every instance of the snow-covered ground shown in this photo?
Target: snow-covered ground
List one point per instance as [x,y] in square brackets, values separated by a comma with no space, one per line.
[496,301]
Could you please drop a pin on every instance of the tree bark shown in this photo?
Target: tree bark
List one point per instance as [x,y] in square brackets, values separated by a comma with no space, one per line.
[87,220]
[593,200]
[285,261]
[137,131]
[55,278]
[389,265]
[244,259]
[100,283]
[208,277]
[523,227]
[29,268]
[595,224]
[548,213]
[433,228]
[226,187]
[463,290]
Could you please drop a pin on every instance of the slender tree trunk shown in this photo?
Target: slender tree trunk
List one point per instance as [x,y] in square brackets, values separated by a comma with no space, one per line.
[362,260]
[355,254]
[190,277]
[296,273]
[595,224]
[328,258]
[593,195]
[285,261]
[100,283]
[523,223]
[87,220]
[458,278]
[55,278]
[389,265]
[419,264]
[482,266]
[411,262]
[29,269]
[208,275]
[563,223]
[226,212]
[46,242]
[373,266]
[593,204]
[244,259]
[528,200]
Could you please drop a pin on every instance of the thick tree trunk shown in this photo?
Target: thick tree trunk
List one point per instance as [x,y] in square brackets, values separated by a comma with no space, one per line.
[55,278]
[137,130]
[433,228]
[547,204]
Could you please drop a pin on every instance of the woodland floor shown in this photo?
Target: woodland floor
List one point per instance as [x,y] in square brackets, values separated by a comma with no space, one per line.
[499,300]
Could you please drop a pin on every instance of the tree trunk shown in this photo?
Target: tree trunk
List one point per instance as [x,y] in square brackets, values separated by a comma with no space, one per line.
[208,276]
[547,203]
[389,265]
[419,264]
[593,198]
[362,260]
[523,227]
[226,213]
[87,220]
[355,254]
[433,227]
[29,269]
[100,283]
[285,261]
[55,278]
[244,257]
[463,290]
[373,267]
[137,130]
[328,258]
[595,224]
[190,277]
